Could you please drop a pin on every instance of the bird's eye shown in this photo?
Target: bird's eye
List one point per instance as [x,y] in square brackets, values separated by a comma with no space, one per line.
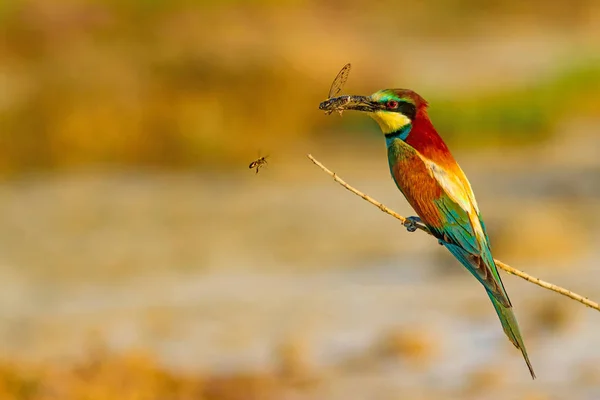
[392,105]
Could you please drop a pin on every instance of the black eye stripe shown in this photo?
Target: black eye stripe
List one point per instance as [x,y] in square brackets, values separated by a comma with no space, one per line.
[407,109]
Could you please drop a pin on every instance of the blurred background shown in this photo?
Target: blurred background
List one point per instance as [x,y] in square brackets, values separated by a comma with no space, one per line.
[140,258]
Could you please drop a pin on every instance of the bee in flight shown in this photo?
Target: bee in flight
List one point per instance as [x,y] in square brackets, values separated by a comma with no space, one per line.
[336,88]
[258,163]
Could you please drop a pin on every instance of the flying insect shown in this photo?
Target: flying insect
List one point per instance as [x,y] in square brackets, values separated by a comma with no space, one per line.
[258,163]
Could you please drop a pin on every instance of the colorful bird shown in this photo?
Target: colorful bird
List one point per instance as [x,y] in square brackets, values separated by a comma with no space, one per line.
[436,188]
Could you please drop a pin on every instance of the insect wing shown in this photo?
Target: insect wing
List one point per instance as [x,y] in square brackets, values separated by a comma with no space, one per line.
[339,81]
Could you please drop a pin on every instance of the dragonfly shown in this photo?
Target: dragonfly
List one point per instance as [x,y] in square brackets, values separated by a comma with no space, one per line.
[334,103]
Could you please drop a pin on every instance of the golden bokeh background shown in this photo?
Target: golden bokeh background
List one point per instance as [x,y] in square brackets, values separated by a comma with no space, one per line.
[140,258]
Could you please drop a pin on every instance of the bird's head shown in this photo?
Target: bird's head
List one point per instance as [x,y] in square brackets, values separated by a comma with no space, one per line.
[393,109]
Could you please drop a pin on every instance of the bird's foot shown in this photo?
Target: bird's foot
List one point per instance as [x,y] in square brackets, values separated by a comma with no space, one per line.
[411,223]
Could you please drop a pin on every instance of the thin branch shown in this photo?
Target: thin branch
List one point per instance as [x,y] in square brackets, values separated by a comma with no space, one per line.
[546,285]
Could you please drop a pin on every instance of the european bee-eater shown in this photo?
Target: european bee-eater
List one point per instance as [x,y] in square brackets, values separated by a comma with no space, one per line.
[436,188]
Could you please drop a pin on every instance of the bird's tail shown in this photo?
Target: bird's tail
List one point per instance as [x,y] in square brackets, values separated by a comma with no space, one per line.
[511,328]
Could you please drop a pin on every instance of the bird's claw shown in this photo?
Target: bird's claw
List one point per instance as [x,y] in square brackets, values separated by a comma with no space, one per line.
[410,223]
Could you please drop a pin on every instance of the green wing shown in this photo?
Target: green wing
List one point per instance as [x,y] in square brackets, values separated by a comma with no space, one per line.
[457,231]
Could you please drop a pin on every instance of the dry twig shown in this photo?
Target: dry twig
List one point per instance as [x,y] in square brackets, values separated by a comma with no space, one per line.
[513,271]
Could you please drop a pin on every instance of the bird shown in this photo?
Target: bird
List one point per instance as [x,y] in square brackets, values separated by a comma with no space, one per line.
[438,190]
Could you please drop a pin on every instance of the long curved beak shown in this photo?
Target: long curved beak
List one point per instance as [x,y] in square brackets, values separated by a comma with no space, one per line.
[350,102]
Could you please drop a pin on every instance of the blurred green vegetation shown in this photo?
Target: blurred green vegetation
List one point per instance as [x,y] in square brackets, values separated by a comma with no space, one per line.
[183,83]
[524,115]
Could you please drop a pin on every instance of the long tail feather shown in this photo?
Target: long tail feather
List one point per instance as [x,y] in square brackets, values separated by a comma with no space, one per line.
[511,328]
[506,315]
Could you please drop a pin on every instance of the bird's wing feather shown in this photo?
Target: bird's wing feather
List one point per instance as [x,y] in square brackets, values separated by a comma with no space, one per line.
[463,227]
